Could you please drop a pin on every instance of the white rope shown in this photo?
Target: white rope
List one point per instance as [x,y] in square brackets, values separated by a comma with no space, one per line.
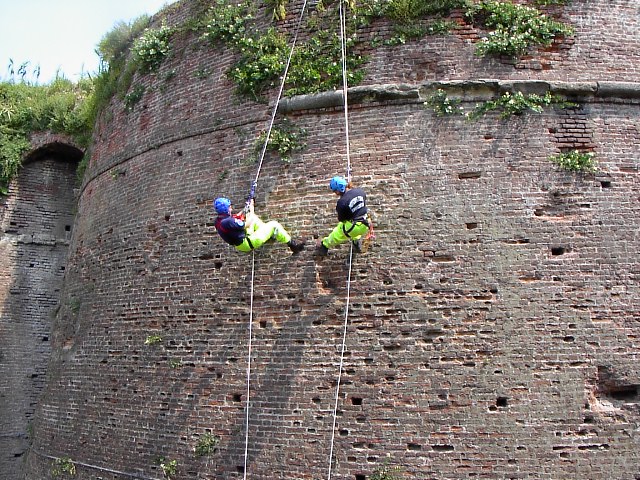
[246,431]
[253,257]
[346,308]
[345,88]
[275,107]
[344,342]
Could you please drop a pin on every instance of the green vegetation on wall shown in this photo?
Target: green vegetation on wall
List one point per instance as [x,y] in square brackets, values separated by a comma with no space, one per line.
[575,161]
[60,107]
[73,109]
[513,28]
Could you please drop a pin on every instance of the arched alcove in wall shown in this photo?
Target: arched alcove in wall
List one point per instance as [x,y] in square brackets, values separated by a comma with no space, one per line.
[36,223]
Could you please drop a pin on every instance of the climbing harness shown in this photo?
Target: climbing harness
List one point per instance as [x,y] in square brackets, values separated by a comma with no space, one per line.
[251,196]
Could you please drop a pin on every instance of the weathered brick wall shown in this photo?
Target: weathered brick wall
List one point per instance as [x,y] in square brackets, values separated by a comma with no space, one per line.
[492,328]
[37,217]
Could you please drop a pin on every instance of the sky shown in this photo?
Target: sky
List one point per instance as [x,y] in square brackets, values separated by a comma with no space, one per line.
[61,35]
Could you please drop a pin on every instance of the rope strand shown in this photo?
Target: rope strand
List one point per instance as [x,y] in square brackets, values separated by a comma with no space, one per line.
[344,342]
[347,300]
[248,404]
[252,193]
[275,107]
[345,88]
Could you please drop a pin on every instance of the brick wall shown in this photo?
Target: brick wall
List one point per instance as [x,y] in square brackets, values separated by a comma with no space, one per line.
[37,217]
[492,326]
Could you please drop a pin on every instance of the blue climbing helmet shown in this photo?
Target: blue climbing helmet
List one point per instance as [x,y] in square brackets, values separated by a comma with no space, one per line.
[338,184]
[222,205]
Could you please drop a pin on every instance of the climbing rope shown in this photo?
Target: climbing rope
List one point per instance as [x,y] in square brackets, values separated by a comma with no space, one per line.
[252,193]
[275,107]
[346,308]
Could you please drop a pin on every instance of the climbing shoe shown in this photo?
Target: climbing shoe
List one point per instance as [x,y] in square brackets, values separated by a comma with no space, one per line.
[295,246]
[321,250]
[357,245]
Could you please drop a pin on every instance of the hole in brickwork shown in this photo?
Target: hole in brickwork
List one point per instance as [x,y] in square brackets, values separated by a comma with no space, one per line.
[568,338]
[469,175]
[625,393]
[471,225]
[240,468]
[414,447]
[67,228]
[605,184]
[442,448]
[502,401]
[359,476]
[237,397]
[558,250]
[263,324]
[356,401]
[344,433]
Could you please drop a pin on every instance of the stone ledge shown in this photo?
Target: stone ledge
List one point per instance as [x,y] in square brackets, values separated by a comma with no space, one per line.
[469,90]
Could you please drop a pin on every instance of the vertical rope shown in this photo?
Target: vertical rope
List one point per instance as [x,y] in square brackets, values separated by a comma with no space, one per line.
[344,342]
[275,107]
[253,257]
[343,43]
[346,308]
[248,403]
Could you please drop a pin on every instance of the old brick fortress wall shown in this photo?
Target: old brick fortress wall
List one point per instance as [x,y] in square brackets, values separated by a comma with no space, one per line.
[36,222]
[493,325]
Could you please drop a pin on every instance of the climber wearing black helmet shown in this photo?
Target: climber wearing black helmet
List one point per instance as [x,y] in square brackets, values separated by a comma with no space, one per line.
[352,217]
[249,234]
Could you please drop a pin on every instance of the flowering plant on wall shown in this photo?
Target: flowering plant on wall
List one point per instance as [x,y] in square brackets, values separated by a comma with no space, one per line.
[152,47]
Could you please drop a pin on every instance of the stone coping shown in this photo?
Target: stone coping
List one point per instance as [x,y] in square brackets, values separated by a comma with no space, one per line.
[466,90]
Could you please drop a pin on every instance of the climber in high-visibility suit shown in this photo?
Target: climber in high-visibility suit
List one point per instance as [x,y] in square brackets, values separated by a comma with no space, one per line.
[250,233]
[353,222]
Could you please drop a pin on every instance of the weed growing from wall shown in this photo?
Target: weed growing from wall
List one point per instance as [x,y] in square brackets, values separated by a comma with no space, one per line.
[153,340]
[278,8]
[575,161]
[63,467]
[226,22]
[152,47]
[133,97]
[443,105]
[386,473]
[285,139]
[315,66]
[514,28]
[518,103]
[206,445]
[169,467]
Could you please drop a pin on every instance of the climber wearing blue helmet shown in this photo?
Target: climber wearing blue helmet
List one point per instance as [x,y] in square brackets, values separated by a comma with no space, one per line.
[250,233]
[352,217]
